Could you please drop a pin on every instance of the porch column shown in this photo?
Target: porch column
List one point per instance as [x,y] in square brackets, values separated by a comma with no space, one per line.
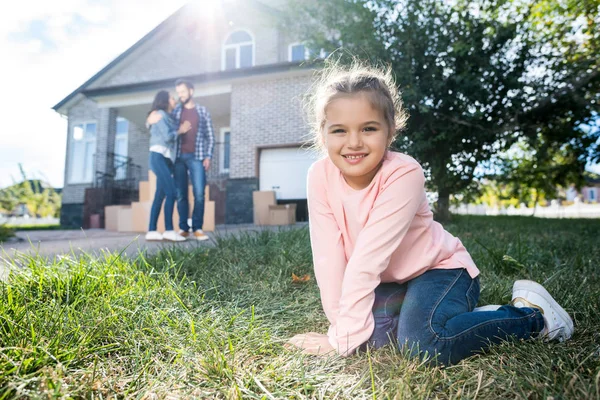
[105,141]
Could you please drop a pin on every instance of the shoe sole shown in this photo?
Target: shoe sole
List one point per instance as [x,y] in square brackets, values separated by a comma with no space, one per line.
[534,292]
[202,238]
[491,307]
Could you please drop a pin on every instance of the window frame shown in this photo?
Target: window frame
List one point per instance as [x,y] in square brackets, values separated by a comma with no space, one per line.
[222,168]
[120,136]
[290,52]
[70,178]
[237,47]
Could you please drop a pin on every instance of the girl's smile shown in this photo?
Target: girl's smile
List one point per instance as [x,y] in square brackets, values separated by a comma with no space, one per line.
[356,136]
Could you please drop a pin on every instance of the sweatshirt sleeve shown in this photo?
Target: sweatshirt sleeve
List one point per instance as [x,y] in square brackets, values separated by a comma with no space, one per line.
[329,258]
[388,222]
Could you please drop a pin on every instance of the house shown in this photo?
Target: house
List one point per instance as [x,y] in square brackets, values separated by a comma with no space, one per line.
[589,193]
[249,73]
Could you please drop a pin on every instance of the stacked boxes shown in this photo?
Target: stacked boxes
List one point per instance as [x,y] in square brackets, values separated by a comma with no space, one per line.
[267,212]
[136,217]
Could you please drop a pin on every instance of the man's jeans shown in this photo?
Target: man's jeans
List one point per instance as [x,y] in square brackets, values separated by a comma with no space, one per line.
[165,190]
[184,164]
[432,315]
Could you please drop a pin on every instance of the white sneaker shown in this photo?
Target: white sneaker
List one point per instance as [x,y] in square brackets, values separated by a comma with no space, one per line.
[490,307]
[173,236]
[557,322]
[154,236]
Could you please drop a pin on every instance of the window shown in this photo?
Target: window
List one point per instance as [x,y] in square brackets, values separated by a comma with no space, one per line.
[298,52]
[83,149]
[592,194]
[225,150]
[238,51]
[121,139]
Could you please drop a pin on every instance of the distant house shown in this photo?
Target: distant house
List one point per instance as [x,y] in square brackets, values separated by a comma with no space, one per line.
[247,71]
[589,193]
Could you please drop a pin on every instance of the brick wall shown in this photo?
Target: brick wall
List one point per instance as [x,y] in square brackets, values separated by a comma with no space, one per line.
[265,113]
[238,207]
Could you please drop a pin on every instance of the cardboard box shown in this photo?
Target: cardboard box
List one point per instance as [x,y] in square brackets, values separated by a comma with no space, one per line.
[145,193]
[284,214]
[140,211]
[111,218]
[209,216]
[125,220]
[261,200]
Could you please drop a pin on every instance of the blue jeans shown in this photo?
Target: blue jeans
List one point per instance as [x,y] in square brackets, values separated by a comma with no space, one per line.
[184,164]
[432,315]
[165,190]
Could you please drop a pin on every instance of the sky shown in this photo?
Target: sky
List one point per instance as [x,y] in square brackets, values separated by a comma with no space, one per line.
[49,48]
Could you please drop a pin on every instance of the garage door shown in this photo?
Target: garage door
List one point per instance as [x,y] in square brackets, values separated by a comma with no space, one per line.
[284,171]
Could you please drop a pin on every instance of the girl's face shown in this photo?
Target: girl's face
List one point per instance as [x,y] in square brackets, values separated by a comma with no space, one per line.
[172,103]
[356,136]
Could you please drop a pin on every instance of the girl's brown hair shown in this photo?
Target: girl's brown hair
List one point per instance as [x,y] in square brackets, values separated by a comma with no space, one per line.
[337,80]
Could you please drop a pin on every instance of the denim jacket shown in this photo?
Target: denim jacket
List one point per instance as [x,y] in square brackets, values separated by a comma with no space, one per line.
[164,133]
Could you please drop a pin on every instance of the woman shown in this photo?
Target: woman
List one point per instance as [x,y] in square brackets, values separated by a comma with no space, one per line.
[163,135]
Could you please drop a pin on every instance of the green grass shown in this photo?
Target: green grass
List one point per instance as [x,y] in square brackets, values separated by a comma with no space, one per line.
[210,323]
[5,233]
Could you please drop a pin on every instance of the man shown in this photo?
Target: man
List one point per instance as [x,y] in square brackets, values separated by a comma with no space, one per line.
[194,153]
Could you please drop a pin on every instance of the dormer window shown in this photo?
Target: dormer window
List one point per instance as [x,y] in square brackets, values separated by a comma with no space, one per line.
[238,51]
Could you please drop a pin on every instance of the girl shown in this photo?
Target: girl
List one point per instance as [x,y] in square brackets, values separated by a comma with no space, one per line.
[162,150]
[385,269]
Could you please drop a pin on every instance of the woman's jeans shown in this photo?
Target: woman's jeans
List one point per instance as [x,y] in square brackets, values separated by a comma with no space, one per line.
[431,315]
[165,190]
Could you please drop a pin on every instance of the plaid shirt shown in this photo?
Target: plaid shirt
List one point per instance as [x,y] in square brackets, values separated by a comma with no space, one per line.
[205,138]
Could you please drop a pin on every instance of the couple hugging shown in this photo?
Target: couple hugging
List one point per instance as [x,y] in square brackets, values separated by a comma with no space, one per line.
[181,145]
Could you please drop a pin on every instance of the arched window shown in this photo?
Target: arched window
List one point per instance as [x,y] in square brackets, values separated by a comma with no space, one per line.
[238,51]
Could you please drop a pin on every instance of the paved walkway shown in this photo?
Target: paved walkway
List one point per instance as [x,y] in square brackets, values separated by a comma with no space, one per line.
[94,241]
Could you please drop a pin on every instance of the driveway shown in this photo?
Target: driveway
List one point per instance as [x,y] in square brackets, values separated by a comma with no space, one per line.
[94,241]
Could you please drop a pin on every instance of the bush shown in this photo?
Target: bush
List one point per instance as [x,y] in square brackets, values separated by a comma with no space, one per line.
[5,233]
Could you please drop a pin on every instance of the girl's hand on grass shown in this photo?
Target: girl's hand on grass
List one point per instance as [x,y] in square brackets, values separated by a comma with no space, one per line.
[311,343]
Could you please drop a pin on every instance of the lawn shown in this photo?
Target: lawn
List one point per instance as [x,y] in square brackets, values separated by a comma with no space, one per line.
[211,323]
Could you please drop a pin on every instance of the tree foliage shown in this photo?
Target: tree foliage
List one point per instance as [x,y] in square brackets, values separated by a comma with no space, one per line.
[41,200]
[476,76]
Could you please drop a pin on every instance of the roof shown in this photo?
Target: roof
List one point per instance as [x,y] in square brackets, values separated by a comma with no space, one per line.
[149,85]
[148,36]
[201,78]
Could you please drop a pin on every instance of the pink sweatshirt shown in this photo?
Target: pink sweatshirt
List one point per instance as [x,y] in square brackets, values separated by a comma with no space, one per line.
[383,233]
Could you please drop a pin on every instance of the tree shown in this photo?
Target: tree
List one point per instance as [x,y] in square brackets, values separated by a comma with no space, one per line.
[9,199]
[531,174]
[40,199]
[475,76]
